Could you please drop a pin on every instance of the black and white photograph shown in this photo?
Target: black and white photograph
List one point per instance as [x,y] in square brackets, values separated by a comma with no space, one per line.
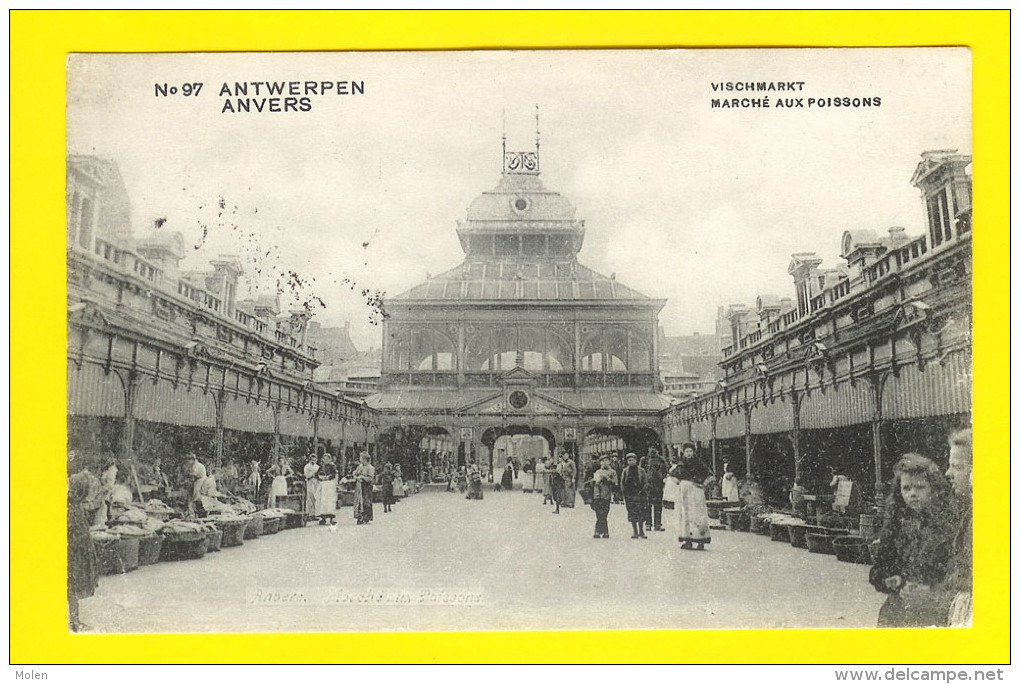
[519,340]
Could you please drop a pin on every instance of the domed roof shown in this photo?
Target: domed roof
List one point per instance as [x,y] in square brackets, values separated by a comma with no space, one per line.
[519,198]
[153,240]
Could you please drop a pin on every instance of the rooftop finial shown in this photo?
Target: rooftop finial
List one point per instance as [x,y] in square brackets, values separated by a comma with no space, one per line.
[537,135]
[521,162]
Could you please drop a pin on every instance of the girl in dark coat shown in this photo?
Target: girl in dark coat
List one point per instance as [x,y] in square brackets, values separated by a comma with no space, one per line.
[82,564]
[916,544]
[634,483]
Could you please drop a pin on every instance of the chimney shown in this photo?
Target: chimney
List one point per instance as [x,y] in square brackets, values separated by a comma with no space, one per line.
[898,235]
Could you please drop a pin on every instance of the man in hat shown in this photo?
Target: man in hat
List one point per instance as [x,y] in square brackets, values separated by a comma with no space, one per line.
[634,484]
[657,469]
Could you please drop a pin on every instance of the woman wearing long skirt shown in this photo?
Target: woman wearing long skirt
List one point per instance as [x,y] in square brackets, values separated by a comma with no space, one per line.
[474,481]
[730,491]
[542,480]
[278,473]
[568,471]
[398,483]
[364,476]
[311,485]
[253,483]
[386,481]
[691,510]
[506,483]
[82,563]
[326,501]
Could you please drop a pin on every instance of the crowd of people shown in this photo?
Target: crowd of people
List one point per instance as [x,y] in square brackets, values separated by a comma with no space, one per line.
[923,559]
[922,562]
[644,486]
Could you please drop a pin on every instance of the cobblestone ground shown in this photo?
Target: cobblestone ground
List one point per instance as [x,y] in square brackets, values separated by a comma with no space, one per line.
[439,562]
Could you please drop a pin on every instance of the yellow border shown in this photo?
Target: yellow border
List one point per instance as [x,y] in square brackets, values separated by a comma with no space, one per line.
[39,42]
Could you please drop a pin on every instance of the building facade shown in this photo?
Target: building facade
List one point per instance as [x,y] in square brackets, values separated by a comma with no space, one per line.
[520,338]
[869,360]
[163,361]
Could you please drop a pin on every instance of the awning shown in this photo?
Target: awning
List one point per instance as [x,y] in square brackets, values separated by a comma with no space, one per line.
[93,392]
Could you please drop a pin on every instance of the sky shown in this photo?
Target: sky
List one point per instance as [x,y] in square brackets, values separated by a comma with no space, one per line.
[697,205]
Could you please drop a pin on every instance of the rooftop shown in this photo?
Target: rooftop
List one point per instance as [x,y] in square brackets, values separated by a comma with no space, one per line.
[484,280]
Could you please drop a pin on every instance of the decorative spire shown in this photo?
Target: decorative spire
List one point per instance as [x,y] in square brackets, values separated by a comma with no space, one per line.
[537,134]
[521,163]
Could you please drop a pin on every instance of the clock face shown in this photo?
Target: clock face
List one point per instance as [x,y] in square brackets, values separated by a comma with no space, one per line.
[518,399]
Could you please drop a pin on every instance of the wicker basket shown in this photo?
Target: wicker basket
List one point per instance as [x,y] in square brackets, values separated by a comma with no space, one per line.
[760,525]
[127,547]
[798,534]
[215,537]
[108,553]
[779,532]
[233,532]
[255,527]
[736,520]
[821,542]
[271,525]
[852,550]
[149,548]
[715,507]
[184,545]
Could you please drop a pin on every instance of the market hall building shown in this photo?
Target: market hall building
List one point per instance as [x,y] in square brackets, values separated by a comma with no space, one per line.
[162,361]
[870,359]
[521,349]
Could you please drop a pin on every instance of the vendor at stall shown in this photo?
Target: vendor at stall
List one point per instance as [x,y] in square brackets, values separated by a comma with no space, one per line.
[730,488]
[104,494]
[253,483]
[196,474]
[326,502]
[278,474]
[226,478]
[399,489]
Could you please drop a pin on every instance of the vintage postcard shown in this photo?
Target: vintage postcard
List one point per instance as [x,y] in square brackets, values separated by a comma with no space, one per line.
[519,340]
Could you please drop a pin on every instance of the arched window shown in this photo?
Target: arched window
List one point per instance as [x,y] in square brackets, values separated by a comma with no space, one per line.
[616,350]
[533,348]
[431,350]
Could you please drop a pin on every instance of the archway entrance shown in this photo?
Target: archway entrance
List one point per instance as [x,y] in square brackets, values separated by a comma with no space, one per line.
[516,444]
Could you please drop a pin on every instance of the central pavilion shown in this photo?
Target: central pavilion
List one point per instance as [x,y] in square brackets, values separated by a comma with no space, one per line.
[519,342]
